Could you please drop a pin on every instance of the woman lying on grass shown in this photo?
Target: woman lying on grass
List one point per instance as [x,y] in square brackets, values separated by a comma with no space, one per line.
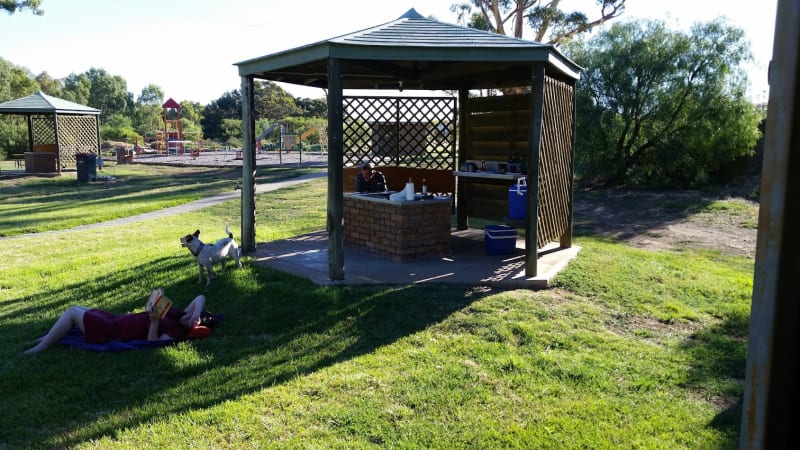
[102,326]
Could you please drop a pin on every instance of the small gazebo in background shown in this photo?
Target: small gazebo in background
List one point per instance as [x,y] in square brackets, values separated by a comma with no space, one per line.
[57,130]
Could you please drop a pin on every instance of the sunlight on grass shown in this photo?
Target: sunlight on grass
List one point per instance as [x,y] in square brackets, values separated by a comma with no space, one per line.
[630,348]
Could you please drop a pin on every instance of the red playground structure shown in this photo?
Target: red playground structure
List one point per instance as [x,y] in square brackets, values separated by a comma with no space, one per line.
[170,139]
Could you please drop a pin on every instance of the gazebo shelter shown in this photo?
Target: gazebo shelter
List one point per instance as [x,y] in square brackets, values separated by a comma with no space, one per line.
[528,131]
[57,130]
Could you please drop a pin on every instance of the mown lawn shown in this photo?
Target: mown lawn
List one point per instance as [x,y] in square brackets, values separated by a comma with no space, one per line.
[630,349]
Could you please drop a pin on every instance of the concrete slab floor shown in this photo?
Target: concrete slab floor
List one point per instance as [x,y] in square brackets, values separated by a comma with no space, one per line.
[469,264]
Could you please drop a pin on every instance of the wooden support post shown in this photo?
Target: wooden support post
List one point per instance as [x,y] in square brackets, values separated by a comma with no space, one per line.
[335,222]
[58,142]
[771,392]
[248,167]
[462,222]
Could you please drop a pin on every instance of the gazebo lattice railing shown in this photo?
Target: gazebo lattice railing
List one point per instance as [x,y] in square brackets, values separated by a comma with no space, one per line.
[72,134]
[414,132]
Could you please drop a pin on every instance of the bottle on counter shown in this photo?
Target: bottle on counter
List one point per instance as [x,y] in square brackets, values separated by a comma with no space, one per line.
[424,187]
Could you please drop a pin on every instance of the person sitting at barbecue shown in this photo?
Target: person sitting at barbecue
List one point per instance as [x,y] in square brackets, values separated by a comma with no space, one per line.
[370,180]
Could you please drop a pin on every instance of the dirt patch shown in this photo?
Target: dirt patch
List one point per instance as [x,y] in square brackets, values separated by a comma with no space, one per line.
[724,220]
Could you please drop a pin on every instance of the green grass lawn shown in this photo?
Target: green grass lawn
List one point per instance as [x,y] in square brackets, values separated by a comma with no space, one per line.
[630,349]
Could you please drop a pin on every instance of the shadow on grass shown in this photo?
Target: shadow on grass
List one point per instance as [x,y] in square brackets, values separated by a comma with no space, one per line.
[626,214]
[718,364]
[276,327]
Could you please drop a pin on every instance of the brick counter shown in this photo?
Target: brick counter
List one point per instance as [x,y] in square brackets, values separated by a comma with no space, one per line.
[399,231]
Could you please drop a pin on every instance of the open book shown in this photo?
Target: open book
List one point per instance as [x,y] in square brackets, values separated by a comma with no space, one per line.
[158,302]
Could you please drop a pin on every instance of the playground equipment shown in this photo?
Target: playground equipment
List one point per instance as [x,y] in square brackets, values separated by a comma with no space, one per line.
[295,141]
[306,134]
[171,138]
[266,132]
[289,141]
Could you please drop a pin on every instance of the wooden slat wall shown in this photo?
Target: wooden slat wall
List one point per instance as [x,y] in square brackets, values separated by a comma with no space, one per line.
[555,164]
[495,129]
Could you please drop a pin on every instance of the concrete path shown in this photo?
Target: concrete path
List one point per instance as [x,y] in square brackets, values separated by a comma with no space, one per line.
[186,207]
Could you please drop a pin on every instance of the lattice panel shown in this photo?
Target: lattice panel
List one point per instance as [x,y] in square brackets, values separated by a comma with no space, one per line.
[43,130]
[77,134]
[414,132]
[555,163]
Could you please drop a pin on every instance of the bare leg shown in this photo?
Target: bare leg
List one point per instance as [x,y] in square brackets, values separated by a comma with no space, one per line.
[72,317]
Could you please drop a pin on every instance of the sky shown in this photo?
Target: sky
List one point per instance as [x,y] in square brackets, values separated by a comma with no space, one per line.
[189,47]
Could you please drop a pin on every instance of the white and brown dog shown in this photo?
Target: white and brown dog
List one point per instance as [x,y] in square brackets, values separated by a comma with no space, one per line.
[207,255]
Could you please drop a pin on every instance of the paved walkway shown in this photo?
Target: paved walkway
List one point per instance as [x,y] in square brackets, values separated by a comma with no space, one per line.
[186,207]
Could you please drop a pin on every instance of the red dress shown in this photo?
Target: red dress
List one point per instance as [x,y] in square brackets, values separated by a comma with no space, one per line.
[103,326]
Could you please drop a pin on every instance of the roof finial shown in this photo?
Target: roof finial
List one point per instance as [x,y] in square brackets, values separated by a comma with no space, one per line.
[411,14]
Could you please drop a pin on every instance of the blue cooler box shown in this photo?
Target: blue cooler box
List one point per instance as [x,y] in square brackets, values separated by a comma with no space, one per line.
[517,199]
[500,240]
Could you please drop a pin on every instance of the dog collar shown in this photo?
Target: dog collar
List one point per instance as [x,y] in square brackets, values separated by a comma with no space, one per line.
[199,249]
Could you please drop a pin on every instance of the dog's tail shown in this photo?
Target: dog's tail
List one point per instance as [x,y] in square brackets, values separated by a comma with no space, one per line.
[228,232]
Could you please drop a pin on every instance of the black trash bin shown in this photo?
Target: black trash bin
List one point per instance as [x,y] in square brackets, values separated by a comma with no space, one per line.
[87,169]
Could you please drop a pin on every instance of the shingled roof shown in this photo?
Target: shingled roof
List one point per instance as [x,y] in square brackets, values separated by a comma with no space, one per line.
[422,53]
[41,103]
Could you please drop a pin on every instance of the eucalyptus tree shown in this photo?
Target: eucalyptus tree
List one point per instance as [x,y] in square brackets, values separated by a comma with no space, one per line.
[227,107]
[273,102]
[109,93]
[656,106]
[312,107]
[77,88]
[49,85]
[15,82]
[11,6]
[146,113]
[546,19]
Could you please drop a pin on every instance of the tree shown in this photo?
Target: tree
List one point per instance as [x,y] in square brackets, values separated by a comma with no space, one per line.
[656,106]
[77,87]
[545,19]
[108,93]
[49,85]
[273,102]
[312,107]
[229,106]
[12,6]
[231,132]
[15,82]
[151,95]
[191,111]
[118,128]
[191,115]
